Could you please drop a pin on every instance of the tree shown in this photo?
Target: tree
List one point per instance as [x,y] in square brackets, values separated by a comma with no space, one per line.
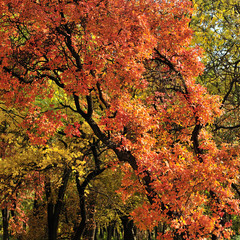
[127,69]
[216,28]
[16,182]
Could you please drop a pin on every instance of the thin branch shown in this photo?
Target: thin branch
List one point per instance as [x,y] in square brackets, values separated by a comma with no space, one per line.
[106,104]
[68,106]
[67,35]
[194,138]
[227,127]
[79,110]
[228,92]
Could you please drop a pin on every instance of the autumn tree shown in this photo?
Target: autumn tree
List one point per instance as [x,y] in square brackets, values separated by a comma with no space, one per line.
[39,176]
[216,26]
[127,69]
[18,178]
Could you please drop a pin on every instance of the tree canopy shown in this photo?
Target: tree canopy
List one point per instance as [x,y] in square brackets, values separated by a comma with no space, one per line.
[101,89]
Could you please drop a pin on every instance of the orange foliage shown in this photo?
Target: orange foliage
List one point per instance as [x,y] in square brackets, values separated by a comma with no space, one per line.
[98,50]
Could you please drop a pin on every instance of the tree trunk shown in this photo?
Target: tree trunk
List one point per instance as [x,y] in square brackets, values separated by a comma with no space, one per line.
[5,215]
[54,210]
[128,228]
[82,227]
[90,228]
[109,231]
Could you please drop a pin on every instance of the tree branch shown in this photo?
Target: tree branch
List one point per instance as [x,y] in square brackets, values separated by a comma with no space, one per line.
[106,104]
[226,127]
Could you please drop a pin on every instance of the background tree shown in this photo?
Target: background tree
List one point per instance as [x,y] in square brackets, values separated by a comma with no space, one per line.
[216,25]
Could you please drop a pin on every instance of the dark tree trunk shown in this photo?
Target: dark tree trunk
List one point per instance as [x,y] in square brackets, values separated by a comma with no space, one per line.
[149,235]
[87,225]
[78,229]
[90,228]
[5,214]
[127,228]
[54,210]
[101,234]
[109,231]
[52,222]
[96,234]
